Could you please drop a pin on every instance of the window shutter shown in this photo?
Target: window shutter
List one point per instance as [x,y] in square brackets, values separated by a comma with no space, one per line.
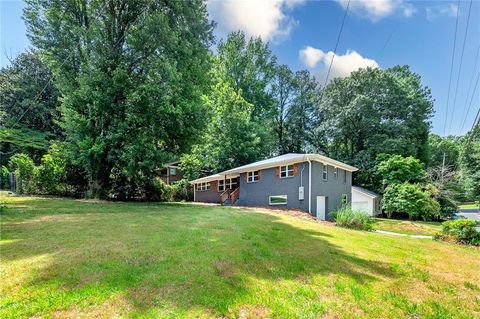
[245,177]
[295,169]
[277,171]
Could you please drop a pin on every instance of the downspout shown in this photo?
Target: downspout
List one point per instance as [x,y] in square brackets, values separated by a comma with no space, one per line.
[194,192]
[309,186]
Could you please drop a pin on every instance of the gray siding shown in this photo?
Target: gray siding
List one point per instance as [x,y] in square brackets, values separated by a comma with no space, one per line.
[210,196]
[332,189]
[257,193]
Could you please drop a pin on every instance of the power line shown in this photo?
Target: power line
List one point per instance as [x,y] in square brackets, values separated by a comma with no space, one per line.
[470,87]
[451,68]
[471,101]
[336,45]
[460,67]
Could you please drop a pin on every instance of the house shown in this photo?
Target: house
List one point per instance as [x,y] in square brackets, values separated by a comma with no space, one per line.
[310,182]
[171,172]
[366,201]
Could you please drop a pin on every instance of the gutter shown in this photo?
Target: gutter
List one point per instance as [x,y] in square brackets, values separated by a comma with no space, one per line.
[309,185]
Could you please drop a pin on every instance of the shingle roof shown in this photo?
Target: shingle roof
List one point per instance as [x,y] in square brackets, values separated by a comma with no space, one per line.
[285,159]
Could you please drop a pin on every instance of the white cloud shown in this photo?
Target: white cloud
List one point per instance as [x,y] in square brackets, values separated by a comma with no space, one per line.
[342,65]
[441,10]
[268,19]
[378,9]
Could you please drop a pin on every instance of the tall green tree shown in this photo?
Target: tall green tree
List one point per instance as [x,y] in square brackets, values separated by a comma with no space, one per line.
[374,111]
[470,163]
[29,107]
[230,138]
[131,73]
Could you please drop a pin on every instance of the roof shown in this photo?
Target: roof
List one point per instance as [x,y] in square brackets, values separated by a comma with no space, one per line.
[290,158]
[285,159]
[365,191]
[171,164]
[214,177]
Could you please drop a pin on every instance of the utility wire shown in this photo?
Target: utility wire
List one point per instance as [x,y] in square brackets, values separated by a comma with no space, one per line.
[470,87]
[336,45]
[471,102]
[451,69]
[460,67]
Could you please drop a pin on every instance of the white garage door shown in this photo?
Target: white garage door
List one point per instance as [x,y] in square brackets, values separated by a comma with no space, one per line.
[363,206]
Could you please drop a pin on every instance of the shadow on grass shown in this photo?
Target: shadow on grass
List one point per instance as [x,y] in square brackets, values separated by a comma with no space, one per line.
[178,256]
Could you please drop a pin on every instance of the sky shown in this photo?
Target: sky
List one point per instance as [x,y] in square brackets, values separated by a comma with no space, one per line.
[379,33]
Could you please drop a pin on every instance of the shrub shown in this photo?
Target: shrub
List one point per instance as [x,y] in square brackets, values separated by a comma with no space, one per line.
[411,199]
[461,230]
[346,217]
[5,179]
[51,172]
[25,170]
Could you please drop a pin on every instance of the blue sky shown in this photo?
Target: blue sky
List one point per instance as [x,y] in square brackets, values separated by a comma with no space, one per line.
[376,33]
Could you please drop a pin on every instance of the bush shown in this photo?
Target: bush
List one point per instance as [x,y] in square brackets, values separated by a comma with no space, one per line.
[411,199]
[461,230]
[5,179]
[346,217]
[51,172]
[25,171]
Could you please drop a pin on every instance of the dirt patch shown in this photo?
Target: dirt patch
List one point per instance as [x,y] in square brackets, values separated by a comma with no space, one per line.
[223,268]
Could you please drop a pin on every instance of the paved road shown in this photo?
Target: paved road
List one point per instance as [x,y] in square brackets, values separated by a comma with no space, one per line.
[471,213]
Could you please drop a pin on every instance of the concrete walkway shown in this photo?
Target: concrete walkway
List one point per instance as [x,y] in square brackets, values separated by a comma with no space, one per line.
[402,235]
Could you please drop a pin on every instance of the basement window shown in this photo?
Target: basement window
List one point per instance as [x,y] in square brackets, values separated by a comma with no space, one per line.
[344,199]
[277,200]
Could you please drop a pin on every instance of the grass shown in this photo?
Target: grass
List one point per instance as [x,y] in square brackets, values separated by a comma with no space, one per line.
[468,206]
[407,227]
[63,258]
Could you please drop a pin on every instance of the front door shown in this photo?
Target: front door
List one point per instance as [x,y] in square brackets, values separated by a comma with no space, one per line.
[321,207]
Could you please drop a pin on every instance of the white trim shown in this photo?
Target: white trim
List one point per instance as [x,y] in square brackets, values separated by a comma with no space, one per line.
[214,177]
[356,189]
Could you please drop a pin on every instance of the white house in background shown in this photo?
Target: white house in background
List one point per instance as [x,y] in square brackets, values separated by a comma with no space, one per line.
[367,201]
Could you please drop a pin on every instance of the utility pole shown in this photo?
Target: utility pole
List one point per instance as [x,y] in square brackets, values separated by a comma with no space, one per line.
[443,168]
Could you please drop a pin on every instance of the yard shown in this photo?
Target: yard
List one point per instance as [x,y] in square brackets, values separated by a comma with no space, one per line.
[66,258]
[408,227]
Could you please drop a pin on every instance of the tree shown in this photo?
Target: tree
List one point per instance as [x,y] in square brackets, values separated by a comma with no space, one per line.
[248,66]
[131,74]
[370,112]
[294,98]
[397,169]
[410,199]
[24,169]
[230,137]
[438,146]
[28,97]
[470,163]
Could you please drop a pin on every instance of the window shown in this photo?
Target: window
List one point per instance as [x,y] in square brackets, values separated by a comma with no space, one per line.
[278,200]
[229,183]
[335,173]
[344,177]
[203,186]
[172,171]
[325,172]
[344,199]
[253,176]
[286,171]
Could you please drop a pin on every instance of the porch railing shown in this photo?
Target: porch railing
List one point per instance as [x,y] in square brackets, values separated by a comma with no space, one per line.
[224,196]
[235,195]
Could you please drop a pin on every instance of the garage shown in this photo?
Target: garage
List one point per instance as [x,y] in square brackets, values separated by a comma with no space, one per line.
[366,201]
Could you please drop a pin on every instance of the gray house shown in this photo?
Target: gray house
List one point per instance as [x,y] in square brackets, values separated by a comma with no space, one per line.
[309,182]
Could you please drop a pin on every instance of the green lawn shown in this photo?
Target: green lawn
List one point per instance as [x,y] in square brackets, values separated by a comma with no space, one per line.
[66,258]
[408,227]
[468,206]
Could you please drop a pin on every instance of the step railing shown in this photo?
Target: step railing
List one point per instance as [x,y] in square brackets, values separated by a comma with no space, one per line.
[235,195]
[224,196]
